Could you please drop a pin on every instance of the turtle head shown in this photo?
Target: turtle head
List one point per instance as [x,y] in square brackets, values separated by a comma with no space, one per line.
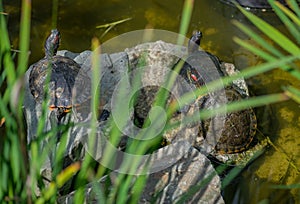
[52,43]
[194,42]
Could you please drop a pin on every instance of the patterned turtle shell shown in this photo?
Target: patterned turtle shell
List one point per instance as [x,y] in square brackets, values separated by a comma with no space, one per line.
[62,74]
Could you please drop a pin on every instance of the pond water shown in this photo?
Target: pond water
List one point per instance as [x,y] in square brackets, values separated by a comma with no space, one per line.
[77,21]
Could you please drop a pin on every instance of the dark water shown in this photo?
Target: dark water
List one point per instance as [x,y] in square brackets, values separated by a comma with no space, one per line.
[77,21]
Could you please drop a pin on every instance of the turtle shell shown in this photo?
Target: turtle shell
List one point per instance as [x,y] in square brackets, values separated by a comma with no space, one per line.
[233,132]
[65,75]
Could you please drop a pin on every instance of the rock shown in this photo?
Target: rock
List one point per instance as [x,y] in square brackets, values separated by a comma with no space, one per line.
[192,176]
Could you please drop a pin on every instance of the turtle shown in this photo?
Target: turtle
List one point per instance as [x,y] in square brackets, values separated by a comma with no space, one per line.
[231,133]
[65,74]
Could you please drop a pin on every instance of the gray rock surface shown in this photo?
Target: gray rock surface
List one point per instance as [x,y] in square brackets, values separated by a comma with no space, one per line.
[192,176]
[192,179]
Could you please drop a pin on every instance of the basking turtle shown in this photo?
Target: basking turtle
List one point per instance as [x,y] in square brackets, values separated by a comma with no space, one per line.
[64,74]
[222,135]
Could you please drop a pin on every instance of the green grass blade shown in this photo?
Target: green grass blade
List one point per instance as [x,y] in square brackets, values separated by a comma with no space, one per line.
[98,190]
[54,13]
[16,164]
[59,152]
[294,72]
[96,69]
[185,20]
[23,64]
[261,41]
[138,188]
[254,49]
[244,104]
[9,120]
[230,176]
[24,37]
[293,93]
[231,107]
[34,164]
[15,134]
[16,106]
[291,67]
[86,164]
[276,35]
[124,190]
[2,76]
[79,196]
[3,174]
[293,4]
[60,180]
[280,10]
[45,108]
[289,13]
[113,23]
[291,186]
[5,53]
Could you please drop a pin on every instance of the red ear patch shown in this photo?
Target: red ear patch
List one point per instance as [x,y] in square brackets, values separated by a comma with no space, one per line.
[193,76]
